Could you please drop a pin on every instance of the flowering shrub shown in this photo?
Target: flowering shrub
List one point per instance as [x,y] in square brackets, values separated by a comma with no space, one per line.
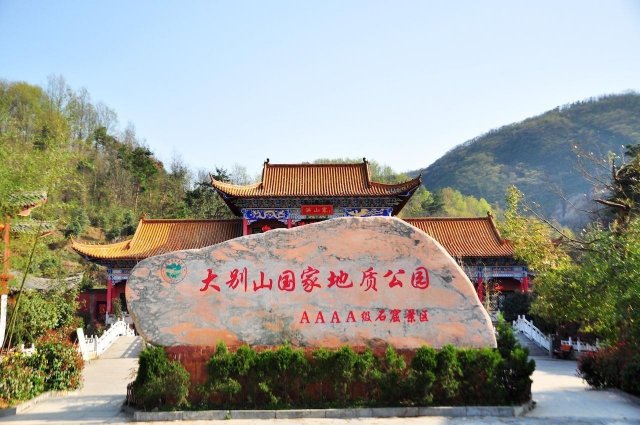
[56,365]
[613,367]
[19,380]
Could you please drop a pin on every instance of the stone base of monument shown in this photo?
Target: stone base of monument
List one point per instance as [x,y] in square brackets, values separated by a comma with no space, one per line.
[349,413]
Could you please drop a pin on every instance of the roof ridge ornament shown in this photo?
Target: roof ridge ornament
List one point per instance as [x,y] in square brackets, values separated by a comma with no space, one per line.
[264,168]
[366,164]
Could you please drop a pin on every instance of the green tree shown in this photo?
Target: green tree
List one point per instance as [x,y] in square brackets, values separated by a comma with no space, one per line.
[531,237]
[455,204]
[600,290]
[623,201]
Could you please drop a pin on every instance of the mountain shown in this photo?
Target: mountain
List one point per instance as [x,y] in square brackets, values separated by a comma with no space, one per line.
[543,156]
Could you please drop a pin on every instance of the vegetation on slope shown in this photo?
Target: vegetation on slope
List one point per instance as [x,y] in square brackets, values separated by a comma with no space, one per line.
[543,156]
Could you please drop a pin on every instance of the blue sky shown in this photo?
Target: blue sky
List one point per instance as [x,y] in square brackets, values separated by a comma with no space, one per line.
[399,82]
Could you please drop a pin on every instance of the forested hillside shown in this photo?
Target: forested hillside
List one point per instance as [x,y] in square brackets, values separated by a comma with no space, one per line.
[544,156]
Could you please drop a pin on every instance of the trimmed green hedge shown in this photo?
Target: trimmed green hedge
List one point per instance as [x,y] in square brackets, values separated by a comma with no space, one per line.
[160,382]
[286,377]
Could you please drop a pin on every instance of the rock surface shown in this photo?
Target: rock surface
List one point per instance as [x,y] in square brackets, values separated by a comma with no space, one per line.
[347,281]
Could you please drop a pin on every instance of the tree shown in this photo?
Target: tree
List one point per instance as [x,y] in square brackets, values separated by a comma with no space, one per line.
[600,290]
[423,203]
[202,201]
[455,204]
[623,200]
[531,237]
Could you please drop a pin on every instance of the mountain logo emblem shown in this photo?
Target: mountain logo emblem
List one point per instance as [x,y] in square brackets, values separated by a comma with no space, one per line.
[173,270]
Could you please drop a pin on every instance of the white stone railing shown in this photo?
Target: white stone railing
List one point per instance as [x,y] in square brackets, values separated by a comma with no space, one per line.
[27,351]
[533,333]
[111,319]
[580,346]
[96,346]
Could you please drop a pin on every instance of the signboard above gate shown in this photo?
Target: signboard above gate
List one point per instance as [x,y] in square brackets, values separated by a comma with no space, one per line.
[316,210]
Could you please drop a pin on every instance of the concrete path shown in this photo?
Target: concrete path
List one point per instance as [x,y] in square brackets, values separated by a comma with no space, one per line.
[562,398]
[559,392]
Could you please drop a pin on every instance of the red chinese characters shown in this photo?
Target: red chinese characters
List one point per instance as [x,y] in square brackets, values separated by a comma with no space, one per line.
[287,281]
[369,279]
[394,279]
[238,277]
[310,279]
[420,278]
[409,316]
[209,281]
[264,283]
[339,280]
[317,210]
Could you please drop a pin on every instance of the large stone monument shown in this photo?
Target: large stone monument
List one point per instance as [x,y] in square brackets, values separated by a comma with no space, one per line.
[346,281]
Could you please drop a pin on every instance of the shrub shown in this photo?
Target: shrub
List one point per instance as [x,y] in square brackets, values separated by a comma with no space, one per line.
[394,386]
[613,367]
[282,374]
[423,377]
[368,374]
[60,361]
[517,368]
[225,370]
[51,267]
[448,375]
[338,372]
[481,377]
[19,380]
[42,311]
[79,220]
[160,382]
[116,308]
[284,377]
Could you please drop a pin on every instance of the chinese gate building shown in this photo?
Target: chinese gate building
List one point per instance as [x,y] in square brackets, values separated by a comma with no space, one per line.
[291,195]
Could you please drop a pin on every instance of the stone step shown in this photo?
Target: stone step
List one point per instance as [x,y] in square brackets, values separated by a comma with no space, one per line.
[534,349]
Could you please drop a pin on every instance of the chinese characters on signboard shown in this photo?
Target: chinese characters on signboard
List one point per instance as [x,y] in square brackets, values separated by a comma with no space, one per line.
[319,210]
[310,279]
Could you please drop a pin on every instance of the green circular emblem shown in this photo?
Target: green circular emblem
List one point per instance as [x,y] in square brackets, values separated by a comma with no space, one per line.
[173,270]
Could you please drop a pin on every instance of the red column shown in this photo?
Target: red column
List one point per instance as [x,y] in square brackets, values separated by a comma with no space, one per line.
[109,293]
[4,277]
[480,289]
[289,223]
[524,286]
[245,227]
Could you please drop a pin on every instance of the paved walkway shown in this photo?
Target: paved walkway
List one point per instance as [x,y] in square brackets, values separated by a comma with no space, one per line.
[562,398]
[559,392]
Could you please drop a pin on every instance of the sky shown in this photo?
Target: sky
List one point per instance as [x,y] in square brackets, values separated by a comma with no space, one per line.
[218,83]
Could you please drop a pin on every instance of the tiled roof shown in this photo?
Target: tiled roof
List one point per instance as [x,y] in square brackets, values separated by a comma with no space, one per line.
[154,237]
[465,237]
[27,199]
[312,180]
[32,226]
[461,237]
